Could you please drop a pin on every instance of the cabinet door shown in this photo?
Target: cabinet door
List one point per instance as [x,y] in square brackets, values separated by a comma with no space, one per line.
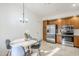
[75,22]
[44,29]
[58,39]
[76,41]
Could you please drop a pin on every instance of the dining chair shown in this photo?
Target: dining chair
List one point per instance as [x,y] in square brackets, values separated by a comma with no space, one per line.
[8,46]
[37,46]
[18,51]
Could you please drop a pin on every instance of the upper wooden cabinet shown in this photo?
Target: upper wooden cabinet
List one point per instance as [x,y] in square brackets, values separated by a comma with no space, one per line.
[76,24]
[75,21]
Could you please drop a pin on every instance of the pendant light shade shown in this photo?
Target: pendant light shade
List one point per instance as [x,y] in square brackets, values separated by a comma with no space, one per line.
[23,19]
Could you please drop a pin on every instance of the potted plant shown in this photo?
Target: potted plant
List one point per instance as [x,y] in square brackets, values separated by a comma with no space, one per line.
[26,36]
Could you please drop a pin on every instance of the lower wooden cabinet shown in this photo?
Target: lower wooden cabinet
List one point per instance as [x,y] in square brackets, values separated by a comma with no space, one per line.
[58,39]
[76,41]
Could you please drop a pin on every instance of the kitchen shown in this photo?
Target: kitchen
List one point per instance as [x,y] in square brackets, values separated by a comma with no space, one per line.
[60,30]
[66,30]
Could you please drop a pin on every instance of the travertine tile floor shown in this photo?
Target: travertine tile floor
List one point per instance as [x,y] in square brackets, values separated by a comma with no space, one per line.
[59,50]
[67,51]
[50,49]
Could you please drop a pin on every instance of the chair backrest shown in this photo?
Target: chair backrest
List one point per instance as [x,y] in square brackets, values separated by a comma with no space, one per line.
[8,44]
[39,44]
[18,51]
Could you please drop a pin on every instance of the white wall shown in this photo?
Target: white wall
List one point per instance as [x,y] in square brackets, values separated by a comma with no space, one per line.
[10,26]
[62,15]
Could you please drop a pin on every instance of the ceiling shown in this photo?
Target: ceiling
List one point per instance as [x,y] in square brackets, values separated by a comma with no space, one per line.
[48,9]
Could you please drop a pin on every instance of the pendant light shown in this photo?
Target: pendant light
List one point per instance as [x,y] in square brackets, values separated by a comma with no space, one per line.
[23,20]
[74,5]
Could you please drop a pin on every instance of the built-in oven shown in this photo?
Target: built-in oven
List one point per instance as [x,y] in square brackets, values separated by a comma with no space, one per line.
[67,33]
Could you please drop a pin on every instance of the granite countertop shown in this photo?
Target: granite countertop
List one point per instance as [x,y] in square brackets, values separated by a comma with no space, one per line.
[67,35]
[76,35]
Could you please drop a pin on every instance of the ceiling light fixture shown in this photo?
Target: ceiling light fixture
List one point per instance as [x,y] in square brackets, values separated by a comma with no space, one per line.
[74,5]
[22,19]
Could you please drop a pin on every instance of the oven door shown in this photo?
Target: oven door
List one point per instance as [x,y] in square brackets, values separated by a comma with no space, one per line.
[67,40]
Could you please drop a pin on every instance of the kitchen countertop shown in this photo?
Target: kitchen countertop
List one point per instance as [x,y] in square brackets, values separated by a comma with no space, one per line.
[76,35]
[76,32]
[67,35]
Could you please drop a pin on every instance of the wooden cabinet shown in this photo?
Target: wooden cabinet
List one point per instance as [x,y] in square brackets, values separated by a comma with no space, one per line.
[60,22]
[75,22]
[58,39]
[76,41]
[44,29]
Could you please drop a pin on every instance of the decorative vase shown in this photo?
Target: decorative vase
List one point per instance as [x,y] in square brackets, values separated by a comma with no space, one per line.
[26,36]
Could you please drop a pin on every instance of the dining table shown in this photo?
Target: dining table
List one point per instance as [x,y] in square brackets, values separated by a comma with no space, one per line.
[24,43]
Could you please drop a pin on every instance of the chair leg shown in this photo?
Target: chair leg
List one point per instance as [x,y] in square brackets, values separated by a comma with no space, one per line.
[39,52]
[8,53]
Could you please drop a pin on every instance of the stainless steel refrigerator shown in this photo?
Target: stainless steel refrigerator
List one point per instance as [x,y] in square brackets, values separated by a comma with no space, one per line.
[51,33]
